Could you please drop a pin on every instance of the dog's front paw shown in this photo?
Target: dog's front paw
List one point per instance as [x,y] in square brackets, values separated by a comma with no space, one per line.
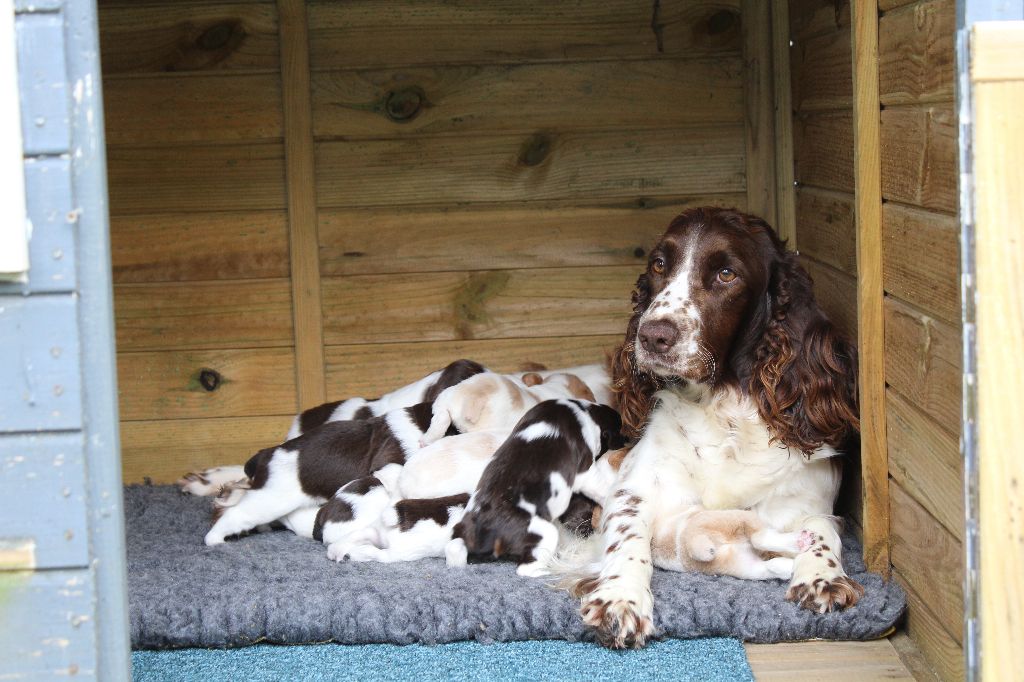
[620,618]
[338,551]
[823,595]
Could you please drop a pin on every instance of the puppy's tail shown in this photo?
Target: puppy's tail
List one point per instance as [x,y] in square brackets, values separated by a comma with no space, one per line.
[576,563]
[441,419]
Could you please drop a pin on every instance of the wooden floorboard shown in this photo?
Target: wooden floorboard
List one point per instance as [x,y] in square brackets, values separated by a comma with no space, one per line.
[832,661]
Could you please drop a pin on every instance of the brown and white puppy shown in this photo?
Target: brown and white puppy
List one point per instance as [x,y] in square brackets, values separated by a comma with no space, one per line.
[495,402]
[308,470]
[552,452]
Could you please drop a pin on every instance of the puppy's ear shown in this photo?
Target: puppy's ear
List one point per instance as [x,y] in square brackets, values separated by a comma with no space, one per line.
[532,379]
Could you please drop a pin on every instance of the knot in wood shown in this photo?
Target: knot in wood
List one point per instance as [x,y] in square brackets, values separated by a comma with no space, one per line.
[210,379]
[535,150]
[721,22]
[403,105]
[219,35]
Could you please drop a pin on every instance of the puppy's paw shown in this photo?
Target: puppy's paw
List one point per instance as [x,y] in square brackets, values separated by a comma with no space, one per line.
[806,540]
[534,569]
[213,538]
[455,553]
[622,618]
[338,551]
[824,595]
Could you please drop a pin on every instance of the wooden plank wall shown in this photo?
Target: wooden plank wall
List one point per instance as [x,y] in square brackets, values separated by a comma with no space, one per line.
[488,179]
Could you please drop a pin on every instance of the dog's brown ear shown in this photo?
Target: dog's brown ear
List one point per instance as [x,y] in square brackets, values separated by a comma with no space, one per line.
[532,379]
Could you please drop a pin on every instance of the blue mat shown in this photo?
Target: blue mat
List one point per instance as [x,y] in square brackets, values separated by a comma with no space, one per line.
[699,660]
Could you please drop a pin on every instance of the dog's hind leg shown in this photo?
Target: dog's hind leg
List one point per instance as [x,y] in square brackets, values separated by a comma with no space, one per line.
[543,551]
[254,509]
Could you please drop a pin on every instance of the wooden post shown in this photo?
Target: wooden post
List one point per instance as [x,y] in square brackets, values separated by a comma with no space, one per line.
[759,116]
[785,194]
[870,292]
[302,218]
[997,87]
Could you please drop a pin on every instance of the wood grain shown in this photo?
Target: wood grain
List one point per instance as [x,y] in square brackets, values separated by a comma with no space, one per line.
[206,108]
[759,119]
[823,72]
[998,145]
[195,178]
[924,458]
[1002,56]
[922,361]
[809,18]
[162,451]
[196,315]
[378,241]
[481,304]
[411,32]
[372,369]
[785,219]
[825,227]
[942,651]
[531,167]
[549,97]
[919,156]
[150,37]
[206,383]
[921,259]
[836,293]
[300,177]
[823,144]
[199,246]
[916,53]
[929,558]
[817,660]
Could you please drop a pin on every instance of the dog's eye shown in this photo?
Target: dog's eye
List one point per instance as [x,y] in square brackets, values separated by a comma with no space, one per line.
[726,275]
[658,265]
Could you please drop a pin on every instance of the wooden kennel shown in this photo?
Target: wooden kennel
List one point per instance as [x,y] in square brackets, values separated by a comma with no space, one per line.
[316,200]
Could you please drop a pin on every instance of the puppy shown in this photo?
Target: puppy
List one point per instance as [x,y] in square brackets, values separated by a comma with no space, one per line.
[308,470]
[495,402]
[552,452]
[424,390]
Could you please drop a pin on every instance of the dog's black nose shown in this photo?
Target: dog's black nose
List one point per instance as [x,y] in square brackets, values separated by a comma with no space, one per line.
[658,336]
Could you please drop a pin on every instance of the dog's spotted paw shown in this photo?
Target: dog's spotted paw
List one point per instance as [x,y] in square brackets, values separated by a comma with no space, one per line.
[620,621]
[824,595]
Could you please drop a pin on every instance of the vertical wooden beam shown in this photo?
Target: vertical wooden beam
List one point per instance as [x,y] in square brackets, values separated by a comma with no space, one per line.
[997,88]
[870,292]
[785,194]
[759,107]
[302,219]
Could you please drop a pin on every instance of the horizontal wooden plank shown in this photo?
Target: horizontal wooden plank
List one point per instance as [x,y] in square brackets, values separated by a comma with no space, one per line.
[836,293]
[151,37]
[214,108]
[929,558]
[1003,55]
[823,72]
[199,246]
[917,53]
[924,458]
[919,156]
[406,32]
[921,259]
[206,383]
[163,450]
[825,228]
[485,304]
[888,5]
[196,315]
[530,167]
[823,150]
[922,361]
[808,18]
[814,661]
[527,97]
[377,241]
[48,628]
[195,178]
[369,370]
[942,652]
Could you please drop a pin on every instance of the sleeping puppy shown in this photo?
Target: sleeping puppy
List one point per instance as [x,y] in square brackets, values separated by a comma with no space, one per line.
[495,402]
[308,470]
[552,452]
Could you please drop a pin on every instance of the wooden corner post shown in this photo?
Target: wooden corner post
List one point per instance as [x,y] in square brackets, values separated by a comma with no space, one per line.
[302,219]
[870,291]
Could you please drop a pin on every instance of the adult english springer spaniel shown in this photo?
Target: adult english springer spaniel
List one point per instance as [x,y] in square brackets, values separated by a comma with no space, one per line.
[740,391]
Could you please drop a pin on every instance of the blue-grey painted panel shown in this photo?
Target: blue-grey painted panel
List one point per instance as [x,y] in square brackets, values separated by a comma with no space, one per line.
[40,376]
[46,620]
[52,245]
[971,11]
[43,84]
[23,6]
[42,485]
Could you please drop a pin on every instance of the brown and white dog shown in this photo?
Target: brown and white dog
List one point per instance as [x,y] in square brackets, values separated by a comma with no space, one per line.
[552,453]
[741,392]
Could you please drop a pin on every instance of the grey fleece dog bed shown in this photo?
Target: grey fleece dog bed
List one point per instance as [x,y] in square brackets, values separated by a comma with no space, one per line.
[277,587]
